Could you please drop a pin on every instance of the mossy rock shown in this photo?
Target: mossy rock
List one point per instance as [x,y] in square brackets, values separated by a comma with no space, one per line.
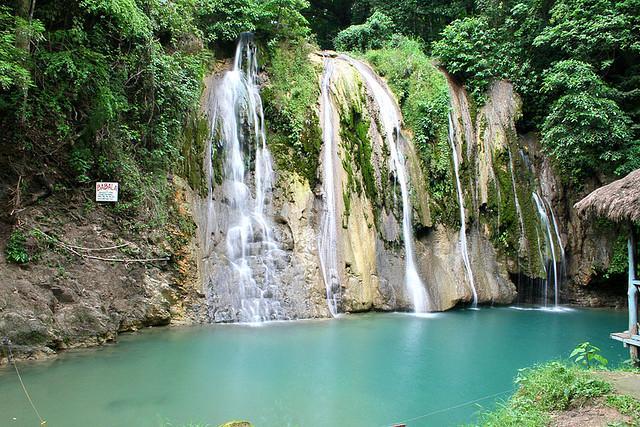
[237,424]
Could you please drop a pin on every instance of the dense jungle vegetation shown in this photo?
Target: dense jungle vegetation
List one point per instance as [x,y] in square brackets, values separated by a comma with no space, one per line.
[101,89]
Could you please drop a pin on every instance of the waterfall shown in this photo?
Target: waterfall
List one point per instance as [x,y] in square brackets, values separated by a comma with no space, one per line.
[562,271]
[328,240]
[557,230]
[544,219]
[544,268]
[463,226]
[237,126]
[390,118]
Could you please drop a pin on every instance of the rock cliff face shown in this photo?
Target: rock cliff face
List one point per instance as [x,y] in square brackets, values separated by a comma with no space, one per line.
[519,222]
[63,300]
[370,247]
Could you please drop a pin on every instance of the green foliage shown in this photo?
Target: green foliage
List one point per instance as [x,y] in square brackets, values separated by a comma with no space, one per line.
[515,413]
[373,34]
[224,20]
[14,70]
[16,250]
[112,84]
[281,19]
[289,98]
[107,88]
[414,18]
[327,18]
[619,263]
[470,49]
[585,130]
[553,386]
[125,15]
[175,23]
[81,161]
[588,355]
[421,89]
[627,405]
[589,30]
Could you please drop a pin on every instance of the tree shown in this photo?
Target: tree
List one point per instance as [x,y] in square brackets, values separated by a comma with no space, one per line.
[470,49]
[13,56]
[282,19]
[585,131]
[371,35]
[592,31]
[414,17]
[224,20]
[327,18]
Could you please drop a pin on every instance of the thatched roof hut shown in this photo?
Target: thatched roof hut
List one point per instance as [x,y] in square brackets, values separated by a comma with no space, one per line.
[618,201]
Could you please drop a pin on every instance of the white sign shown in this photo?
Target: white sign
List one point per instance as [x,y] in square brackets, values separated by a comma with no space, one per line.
[106,191]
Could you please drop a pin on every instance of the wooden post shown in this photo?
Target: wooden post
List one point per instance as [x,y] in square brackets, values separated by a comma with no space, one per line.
[633,293]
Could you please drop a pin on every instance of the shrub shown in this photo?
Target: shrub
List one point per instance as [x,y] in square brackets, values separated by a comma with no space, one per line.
[471,50]
[373,34]
[16,250]
[588,355]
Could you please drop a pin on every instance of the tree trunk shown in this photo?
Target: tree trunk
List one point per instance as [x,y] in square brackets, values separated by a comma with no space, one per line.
[24,10]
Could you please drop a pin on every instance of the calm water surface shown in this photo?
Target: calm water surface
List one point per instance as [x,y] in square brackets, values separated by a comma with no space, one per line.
[365,370]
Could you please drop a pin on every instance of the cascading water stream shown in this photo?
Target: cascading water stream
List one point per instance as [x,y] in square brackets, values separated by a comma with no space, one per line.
[463,226]
[328,240]
[389,116]
[557,230]
[544,218]
[544,268]
[237,124]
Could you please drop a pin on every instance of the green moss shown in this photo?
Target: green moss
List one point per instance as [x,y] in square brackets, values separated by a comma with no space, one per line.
[441,183]
[506,225]
[355,145]
[347,206]
[501,214]
[194,138]
[354,132]
[290,97]
[31,337]
[530,262]
[619,263]
[619,259]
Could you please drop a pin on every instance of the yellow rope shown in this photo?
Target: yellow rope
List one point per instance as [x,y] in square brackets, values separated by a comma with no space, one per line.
[449,408]
[7,343]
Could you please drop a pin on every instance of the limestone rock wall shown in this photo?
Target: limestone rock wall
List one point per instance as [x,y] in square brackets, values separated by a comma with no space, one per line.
[62,300]
[500,171]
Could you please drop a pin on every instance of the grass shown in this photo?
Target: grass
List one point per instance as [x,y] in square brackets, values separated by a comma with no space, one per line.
[555,386]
